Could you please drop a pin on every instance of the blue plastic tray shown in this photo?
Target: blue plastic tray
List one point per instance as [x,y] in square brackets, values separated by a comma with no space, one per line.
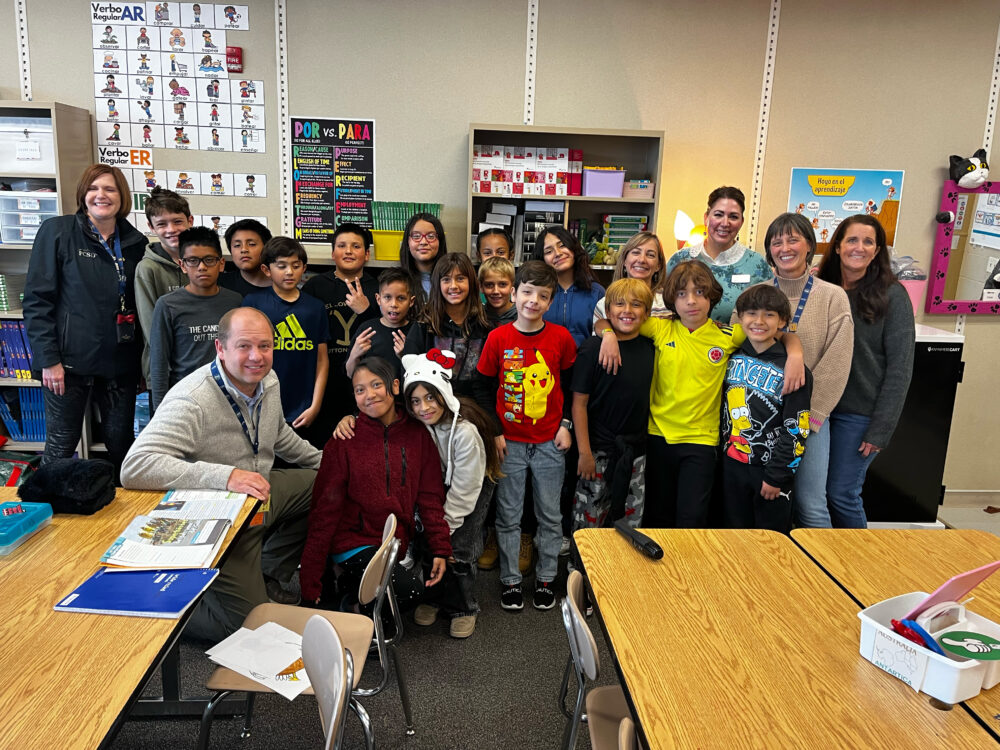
[17,526]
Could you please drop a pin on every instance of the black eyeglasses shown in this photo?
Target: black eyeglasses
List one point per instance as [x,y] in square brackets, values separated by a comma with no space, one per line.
[210,261]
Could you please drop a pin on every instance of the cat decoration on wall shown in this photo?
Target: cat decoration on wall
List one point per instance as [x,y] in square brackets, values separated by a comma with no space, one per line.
[969,173]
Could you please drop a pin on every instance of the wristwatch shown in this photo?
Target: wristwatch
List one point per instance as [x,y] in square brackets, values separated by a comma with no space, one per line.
[567,423]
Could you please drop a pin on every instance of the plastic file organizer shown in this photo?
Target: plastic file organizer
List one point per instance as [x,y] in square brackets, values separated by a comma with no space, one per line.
[948,678]
[18,521]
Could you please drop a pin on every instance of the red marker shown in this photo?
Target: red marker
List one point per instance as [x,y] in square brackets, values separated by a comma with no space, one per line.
[908,633]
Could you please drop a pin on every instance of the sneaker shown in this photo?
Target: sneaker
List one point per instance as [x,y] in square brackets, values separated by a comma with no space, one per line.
[488,560]
[425,614]
[545,597]
[564,547]
[526,554]
[462,627]
[280,595]
[511,597]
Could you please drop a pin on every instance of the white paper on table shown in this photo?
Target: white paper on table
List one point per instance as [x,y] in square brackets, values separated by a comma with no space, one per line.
[197,504]
[270,655]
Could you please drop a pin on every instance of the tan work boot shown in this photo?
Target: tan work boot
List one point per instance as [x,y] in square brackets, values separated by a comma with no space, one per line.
[488,560]
[425,614]
[462,627]
[526,554]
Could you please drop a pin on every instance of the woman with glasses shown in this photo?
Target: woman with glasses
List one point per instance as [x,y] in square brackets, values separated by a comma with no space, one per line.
[185,321]
[423,243]
[79,312]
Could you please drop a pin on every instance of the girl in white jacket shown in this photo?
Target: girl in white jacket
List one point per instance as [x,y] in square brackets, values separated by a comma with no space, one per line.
[463,433]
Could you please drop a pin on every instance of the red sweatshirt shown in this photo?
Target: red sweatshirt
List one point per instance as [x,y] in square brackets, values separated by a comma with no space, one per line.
[381,470]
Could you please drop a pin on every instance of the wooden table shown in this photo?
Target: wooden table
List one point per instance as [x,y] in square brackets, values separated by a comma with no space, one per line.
[877,564]
[67,678]
[736,639]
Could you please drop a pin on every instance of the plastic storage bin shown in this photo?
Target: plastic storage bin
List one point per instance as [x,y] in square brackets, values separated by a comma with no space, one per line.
[950,679]
[16,526]
[603,183]
[386,244]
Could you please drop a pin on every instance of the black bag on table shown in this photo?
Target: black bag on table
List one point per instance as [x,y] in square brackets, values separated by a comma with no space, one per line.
[71,485]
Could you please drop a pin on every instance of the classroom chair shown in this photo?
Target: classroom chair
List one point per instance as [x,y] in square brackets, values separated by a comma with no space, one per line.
[359,633]
[627,737]
[331,674]
[606,705]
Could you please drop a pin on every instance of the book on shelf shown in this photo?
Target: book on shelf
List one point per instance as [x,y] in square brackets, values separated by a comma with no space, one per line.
[138,593]
[15,351]
[11,291]
[22,411]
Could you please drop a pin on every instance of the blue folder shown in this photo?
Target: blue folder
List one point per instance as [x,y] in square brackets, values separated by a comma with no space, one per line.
[139,593]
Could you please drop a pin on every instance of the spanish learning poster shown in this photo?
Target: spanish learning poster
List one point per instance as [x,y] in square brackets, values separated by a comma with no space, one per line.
[828,196]
[333,175]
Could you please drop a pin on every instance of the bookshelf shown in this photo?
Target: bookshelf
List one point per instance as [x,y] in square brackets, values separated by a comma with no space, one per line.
[43,177]
[640,152]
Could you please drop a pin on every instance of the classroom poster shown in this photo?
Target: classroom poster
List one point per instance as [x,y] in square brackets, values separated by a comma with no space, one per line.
[161,81]
[828,196]
[333,175]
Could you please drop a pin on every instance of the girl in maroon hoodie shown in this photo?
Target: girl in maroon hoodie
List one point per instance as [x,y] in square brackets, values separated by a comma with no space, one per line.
[391,466]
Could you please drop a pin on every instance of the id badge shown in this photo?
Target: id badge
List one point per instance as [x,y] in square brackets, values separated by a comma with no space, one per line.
[125,326]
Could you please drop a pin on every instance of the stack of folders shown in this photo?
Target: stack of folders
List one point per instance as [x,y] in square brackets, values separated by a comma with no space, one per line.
[392,216]
[23,414]
[11,291]
[15,354]
[185,530]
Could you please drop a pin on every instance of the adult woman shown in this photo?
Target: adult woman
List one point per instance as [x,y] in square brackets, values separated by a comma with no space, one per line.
[578,291]
[821,316]
[734,265]
[641,258]
[79,311]
[866,415]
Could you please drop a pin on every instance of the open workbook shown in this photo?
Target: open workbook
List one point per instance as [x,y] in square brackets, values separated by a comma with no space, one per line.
[185,530]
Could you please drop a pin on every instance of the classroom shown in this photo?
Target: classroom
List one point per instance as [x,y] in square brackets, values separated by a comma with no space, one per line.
[422,111]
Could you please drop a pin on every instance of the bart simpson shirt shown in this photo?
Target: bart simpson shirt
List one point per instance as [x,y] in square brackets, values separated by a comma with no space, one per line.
[687,378]
[759,426]
[528,365]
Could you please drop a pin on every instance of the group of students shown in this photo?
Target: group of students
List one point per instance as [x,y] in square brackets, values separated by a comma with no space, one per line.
[450,396]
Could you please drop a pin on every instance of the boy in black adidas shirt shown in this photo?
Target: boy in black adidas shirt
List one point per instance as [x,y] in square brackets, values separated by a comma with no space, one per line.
[763,433]
[300,358]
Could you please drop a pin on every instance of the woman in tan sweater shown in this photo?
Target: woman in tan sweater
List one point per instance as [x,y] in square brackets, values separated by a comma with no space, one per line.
[821,316]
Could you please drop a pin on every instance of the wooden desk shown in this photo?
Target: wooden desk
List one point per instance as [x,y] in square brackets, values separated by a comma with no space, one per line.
[876,564]
[68,678]
[736,639]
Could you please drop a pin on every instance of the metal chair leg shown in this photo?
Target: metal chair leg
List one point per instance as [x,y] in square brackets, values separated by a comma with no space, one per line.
[564,688]
[206,718]
[366,723]
[248,717]
[404,693]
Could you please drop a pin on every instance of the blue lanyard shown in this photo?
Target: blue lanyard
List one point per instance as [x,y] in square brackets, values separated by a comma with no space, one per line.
[115,252]
[794,325]
[255,441]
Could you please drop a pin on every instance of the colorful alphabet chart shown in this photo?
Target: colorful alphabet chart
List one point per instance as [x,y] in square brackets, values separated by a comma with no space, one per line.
[160,78]
[333,175]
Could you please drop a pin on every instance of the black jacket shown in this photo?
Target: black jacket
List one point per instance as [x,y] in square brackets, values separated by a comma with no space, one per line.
[71,299]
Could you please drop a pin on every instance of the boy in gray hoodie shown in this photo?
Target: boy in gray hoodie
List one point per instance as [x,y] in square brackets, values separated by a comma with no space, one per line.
[159,271]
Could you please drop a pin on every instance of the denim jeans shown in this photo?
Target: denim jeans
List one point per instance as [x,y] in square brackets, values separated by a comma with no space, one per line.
[64,416]
[847,470]
[548,466]
[455,593]
[809,497]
